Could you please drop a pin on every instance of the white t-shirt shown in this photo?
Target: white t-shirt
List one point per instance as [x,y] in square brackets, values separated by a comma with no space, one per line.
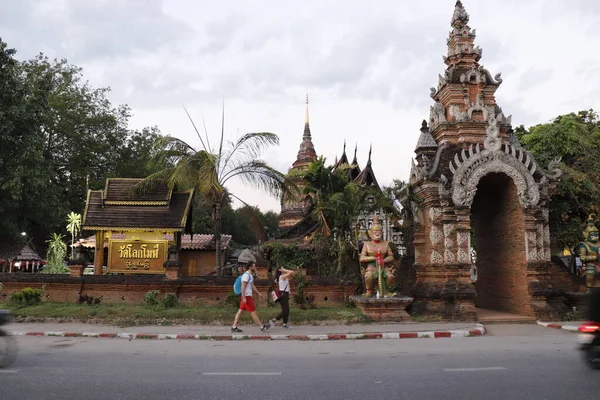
[284,285]
[249,279]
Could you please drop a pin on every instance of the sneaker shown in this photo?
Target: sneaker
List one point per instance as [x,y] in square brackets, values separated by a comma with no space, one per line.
[286,326]
[236,329]
[272,322]
[264,328]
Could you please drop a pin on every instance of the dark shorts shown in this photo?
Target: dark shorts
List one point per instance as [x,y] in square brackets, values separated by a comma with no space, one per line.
[248,305]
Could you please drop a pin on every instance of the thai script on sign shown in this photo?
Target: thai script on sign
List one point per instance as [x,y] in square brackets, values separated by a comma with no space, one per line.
[127,251]
[137,265]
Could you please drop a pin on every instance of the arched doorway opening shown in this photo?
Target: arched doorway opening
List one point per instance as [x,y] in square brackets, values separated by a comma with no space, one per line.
[499,228]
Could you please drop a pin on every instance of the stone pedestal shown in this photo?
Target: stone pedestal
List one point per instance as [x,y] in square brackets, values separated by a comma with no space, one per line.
[390,309]
[76,270]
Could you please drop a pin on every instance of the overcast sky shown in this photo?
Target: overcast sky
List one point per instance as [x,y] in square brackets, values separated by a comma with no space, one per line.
[366,65]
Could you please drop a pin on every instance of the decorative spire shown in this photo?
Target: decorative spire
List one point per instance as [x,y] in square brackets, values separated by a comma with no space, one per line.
[369,160]
[426,141]
[306,123]
[355,160]
[460,18]
[306,153]
[306,119]
[461,50]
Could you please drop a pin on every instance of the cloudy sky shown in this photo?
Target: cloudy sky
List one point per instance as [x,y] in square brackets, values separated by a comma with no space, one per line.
[366,65]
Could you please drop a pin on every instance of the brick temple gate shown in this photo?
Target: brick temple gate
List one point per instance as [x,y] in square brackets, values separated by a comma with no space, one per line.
[471,174]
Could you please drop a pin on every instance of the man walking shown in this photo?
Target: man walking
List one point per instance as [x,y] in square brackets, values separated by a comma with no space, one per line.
[246,302]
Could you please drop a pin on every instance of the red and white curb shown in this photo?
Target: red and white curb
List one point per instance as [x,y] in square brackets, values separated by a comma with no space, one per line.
[478,331]
[570,328]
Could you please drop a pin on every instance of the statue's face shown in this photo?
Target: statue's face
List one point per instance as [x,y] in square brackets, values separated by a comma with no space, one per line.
[593,236]
[376,234]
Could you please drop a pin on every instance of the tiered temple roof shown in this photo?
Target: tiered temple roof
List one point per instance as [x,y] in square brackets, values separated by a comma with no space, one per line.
[119,207]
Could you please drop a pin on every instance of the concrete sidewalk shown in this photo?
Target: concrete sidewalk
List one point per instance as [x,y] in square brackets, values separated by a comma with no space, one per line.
[212,332]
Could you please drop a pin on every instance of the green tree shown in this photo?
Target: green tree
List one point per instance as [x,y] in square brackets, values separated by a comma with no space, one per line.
[86,137]
[575,138]
[339,203]
[27,196]
[73,227]
[210,169]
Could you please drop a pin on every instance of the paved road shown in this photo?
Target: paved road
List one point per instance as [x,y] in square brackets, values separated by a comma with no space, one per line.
[512,362]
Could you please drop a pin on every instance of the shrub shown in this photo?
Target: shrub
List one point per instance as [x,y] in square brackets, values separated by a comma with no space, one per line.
[28,296]
[170,301]
[304,301]
[232,300]
[151,297]
[89,299]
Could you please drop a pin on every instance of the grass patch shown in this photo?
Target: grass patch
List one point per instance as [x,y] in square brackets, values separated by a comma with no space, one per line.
[136,315]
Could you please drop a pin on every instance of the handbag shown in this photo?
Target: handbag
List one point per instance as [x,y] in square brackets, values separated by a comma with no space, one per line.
[276,294]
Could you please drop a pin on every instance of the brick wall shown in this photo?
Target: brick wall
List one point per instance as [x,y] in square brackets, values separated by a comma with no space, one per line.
[497,217]
[131,288]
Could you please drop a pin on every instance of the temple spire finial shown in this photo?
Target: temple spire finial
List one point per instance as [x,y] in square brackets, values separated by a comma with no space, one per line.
[355,160]
[306,119]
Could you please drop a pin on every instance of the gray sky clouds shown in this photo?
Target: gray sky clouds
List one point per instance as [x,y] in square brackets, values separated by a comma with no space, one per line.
[367,66]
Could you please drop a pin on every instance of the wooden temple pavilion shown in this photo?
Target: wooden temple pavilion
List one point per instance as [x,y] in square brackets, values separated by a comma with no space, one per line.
[133,225]
[19,257]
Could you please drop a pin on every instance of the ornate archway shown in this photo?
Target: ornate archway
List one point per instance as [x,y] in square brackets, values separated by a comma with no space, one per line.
[468,163]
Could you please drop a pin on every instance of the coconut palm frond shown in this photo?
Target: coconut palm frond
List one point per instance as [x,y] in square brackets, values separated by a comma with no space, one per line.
[259,174]
[168,150]
[207,149]
[249,147]
[220,153]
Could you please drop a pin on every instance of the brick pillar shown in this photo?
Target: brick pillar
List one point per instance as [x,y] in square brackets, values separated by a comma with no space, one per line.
[76,270]
[172,265]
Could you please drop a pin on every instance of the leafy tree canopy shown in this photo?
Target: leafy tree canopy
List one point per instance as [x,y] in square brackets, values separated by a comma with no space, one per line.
[576,138]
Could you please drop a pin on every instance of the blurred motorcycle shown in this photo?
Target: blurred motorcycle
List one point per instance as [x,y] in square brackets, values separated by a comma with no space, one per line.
[589,332]
[8,345]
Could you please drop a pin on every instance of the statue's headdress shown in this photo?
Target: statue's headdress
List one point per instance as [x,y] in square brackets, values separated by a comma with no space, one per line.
[591,226]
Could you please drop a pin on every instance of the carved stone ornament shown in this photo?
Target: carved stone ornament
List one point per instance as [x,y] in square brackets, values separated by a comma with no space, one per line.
[448,256]
[532,254]
[417,254]
[546,236]
[531,238]
[448,229]
[436,258]
[455,112]
[462,237]
[463,256]
[472,165]
[437,115]
[435,235]
[435,213]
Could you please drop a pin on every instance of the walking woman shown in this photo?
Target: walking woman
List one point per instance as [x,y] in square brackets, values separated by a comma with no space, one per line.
[282,278]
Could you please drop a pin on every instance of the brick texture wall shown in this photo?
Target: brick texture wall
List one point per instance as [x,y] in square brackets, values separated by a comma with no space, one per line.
[497,217]
[131,288]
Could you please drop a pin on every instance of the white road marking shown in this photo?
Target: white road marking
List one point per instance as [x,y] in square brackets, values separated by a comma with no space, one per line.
[474,369]
[8,371]
[241,373]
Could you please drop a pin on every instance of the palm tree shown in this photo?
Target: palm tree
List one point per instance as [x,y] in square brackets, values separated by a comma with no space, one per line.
[209,170]
[73,226]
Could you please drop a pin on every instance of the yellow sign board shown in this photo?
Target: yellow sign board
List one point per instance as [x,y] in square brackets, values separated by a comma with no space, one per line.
[137,257]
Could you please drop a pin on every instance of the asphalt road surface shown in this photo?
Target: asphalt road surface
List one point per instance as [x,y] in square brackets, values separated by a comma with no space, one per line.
[512,362]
